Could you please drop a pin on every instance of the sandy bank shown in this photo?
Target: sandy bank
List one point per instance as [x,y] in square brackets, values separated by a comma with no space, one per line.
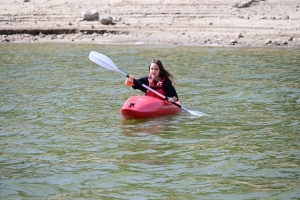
[170,22]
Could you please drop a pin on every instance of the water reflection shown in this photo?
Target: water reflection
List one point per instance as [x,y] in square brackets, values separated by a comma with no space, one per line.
[143,127]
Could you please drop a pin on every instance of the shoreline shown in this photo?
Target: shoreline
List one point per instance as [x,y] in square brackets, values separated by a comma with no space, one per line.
[157,22]
[114,37]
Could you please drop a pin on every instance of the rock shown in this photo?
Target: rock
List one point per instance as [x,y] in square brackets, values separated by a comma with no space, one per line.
[234,11]
[286,17]
[60,36]
[90,15]
[234,5]
[233,42]
[268,41]
[94,35]
[291,38]
[239,35]
[106,20]
[276,42]
[42,35]
[243,4]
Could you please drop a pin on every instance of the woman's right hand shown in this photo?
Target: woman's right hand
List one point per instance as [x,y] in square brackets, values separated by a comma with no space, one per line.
[129,80]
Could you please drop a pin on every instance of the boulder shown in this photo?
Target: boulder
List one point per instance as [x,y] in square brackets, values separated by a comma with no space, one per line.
[106,20]
[90,15]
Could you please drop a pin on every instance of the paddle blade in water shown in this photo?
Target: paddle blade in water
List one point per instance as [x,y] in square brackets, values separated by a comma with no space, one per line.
[194,113]
[197,113]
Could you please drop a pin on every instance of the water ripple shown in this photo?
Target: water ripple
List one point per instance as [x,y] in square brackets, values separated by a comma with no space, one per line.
[62,136]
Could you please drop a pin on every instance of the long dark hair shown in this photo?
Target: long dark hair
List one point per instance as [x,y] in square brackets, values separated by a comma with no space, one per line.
[163,72]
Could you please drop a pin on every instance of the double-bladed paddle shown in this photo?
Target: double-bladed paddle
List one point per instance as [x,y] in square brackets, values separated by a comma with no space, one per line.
[107,63]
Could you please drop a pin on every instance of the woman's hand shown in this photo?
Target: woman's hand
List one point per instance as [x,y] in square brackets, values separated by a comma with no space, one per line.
[129,80]
[172,99]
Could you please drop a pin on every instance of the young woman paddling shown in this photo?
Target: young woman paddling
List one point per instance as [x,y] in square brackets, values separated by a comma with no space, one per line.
[159,79]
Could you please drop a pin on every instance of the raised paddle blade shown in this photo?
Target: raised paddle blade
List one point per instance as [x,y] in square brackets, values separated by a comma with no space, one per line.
[103,61]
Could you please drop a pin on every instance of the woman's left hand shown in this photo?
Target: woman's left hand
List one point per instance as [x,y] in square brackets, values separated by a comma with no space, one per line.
[172,99]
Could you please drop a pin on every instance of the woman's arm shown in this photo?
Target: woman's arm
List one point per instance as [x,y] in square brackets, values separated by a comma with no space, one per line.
[137,85]
[170,91]
[130,81]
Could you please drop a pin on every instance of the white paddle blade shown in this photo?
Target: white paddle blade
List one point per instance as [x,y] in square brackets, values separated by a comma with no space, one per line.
[194,113]
[103,61]
[197,113]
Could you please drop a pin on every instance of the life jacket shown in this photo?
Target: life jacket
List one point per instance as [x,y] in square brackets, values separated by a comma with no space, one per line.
[158,88]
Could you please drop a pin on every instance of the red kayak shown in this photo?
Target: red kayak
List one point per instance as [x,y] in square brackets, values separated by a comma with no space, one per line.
[138,107]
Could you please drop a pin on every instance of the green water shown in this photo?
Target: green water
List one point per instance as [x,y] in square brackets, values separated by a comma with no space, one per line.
[62,137]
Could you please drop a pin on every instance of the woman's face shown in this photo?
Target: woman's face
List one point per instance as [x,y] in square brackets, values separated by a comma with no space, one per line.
[154,71]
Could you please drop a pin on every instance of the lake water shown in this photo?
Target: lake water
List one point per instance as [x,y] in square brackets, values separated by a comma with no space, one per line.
[62,136]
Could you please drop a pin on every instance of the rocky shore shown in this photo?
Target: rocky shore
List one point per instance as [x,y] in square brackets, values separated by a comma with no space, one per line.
[250,23]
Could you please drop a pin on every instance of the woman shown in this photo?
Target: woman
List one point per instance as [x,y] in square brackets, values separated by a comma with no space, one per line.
[159,79]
